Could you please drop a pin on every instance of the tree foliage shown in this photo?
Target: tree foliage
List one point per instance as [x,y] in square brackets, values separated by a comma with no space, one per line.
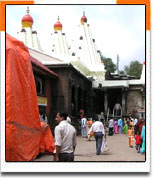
[122,72]
[134,69]
[109,65]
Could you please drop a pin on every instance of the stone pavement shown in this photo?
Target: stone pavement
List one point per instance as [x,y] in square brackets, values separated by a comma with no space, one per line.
[118,145]
[118,150]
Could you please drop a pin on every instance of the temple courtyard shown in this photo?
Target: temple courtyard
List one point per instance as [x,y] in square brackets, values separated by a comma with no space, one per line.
[119,151]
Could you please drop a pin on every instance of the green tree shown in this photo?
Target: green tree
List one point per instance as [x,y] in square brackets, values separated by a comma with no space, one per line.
[122,72]
[109,65]
[134,69]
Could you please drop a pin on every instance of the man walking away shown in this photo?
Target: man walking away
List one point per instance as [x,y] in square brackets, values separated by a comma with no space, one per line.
[65,139]
[98,129]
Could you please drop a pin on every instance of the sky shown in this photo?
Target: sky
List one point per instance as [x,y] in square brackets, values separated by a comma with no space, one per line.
[117,29]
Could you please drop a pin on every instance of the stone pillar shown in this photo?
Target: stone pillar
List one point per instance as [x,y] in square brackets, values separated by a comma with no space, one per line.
[76,99]
[90,104]
[69,98]
[105,102]
[82,99]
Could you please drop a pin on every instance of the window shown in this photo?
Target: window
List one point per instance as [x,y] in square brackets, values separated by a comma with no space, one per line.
[38,82]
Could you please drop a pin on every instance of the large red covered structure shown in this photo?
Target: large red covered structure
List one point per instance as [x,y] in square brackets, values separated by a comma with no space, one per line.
[25,135]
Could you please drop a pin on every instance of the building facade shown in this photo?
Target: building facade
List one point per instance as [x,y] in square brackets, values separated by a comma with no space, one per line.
[45,81]
[79,80]
[74,90]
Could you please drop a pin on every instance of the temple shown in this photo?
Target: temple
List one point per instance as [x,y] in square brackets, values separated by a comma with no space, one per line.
[81,80]
[59,46]
[27,35]
[85,48]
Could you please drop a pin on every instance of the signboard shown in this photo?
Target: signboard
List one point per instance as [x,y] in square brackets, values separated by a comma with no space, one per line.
[42,101]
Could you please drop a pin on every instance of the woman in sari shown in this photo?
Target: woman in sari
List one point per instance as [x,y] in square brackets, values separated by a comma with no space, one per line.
[115,127]
[125,129]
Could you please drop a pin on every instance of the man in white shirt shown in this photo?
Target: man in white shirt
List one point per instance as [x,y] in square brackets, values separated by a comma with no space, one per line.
[99,131]
[65,139]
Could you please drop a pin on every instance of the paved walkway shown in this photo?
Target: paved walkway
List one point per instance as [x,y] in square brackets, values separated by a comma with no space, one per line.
[119,150]
[118,145]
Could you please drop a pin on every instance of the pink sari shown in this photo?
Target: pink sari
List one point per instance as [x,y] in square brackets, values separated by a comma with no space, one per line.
[115,127]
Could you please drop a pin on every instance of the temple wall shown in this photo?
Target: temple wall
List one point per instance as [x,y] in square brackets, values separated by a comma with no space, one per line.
[135,98]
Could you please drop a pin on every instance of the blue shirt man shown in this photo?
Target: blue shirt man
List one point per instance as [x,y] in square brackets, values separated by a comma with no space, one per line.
[120,124]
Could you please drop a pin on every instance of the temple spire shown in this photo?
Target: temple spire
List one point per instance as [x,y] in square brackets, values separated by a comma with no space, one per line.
[117,66]
[28,10]
[83,18]
[83,12]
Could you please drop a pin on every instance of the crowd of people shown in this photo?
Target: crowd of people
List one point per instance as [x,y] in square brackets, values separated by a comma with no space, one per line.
[134,128]
[65,133]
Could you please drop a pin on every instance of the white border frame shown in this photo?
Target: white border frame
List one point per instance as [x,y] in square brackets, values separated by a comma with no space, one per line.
[76,167]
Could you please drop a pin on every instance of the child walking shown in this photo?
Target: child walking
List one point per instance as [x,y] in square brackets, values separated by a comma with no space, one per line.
[138,141]
[130,134]
[89,124]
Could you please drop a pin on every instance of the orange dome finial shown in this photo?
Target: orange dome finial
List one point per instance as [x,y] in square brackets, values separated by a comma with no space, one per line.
[58,26]
[27,20]
[83,18]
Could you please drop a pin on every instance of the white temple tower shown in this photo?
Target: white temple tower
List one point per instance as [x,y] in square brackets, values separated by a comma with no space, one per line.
[85,48]
[59,45]
[27,35]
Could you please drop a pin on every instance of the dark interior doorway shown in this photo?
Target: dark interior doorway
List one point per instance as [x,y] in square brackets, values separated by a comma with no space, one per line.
[114,96]
[98,101]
